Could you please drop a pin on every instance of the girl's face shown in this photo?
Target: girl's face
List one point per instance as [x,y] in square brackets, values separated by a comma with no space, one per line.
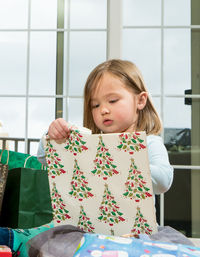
[114,105]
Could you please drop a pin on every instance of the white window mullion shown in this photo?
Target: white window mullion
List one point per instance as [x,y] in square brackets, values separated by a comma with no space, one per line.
[27,77]
[67,48]
[162,100]
[114,29]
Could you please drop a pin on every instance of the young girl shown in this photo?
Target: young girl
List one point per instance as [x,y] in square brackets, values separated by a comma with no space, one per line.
[116,100]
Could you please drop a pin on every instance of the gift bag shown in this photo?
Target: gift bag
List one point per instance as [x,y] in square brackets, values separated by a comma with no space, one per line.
[3,177]
[26,201]
[17,160]
[101,183]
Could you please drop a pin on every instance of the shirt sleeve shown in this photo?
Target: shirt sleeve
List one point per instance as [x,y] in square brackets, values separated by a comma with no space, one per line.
[161,170]
[41,153]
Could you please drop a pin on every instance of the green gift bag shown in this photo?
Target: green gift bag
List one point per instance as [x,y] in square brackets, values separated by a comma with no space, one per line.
[26,202]
[17,160]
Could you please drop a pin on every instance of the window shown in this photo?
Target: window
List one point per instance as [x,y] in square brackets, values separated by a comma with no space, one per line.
[45,60]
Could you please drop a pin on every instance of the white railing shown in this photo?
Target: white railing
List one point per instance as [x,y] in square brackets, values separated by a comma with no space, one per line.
[5,140]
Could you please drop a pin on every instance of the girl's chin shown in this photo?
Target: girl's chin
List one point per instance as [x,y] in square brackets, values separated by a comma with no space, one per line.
[112,129]
[109,131]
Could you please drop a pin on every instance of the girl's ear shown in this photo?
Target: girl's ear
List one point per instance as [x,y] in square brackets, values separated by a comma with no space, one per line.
[142,100]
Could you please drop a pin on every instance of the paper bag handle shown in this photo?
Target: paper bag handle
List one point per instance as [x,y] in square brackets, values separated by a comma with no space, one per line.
[42,166]
[26,160]
[7,155]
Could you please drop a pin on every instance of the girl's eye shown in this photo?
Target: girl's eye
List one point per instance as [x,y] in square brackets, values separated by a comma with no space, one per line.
[95,106]
[113,101]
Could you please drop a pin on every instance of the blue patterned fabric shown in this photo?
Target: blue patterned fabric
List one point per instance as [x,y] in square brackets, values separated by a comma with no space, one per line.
[6,237]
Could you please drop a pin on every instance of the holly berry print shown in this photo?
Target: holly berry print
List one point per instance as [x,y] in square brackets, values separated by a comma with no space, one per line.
[55,168]
[104,166]
[75,143]
[84,222]
[135,184]
[79,184]
[109,210]
[131,142]
[59,211]
[141,226]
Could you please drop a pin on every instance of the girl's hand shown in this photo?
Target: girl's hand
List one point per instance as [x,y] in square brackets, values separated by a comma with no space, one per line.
[59,129]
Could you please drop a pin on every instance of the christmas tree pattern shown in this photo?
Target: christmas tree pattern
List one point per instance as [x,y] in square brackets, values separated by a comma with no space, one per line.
[131,142]
[135,184]
[80,188]
[109,210]
[55,168]
[104,166]
[75,144]
[59,211]
[140,226]
[84,222]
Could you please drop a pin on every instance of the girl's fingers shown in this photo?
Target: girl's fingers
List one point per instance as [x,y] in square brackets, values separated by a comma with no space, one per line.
[58,129]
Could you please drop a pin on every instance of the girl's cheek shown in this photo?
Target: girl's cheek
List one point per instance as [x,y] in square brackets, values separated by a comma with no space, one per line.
[95,115]
[120,112]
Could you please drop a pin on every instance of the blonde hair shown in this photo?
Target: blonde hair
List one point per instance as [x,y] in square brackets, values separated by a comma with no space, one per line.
[129,74]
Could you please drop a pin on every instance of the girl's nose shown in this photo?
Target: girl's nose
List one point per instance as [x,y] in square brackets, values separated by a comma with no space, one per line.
[104,110]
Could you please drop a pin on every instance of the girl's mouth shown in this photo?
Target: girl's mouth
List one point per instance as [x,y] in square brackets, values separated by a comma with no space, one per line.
[107,122]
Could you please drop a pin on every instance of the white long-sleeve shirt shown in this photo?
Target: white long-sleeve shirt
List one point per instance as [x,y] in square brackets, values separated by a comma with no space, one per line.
[161,170]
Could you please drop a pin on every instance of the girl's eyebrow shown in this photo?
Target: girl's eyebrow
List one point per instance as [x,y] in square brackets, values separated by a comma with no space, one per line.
[106,95]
